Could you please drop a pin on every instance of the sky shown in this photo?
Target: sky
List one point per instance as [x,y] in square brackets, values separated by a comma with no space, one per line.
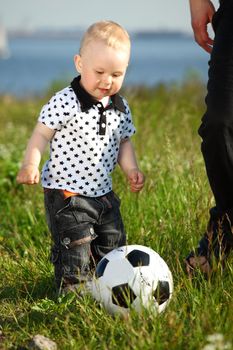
[60,14]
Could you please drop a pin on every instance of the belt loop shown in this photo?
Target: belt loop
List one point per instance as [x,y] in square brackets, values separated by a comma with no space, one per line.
[106,200]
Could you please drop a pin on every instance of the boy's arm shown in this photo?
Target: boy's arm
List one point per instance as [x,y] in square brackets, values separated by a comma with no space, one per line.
[128,163]
[29,172]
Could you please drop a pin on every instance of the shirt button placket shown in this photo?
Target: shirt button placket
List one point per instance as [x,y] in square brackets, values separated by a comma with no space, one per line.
[102,128]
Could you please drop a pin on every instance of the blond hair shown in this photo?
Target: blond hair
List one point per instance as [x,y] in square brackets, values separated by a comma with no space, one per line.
[109,32]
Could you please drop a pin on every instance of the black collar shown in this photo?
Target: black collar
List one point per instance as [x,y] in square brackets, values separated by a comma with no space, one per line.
[87,101]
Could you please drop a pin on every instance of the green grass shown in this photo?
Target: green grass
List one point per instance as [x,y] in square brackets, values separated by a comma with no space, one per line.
[169,215]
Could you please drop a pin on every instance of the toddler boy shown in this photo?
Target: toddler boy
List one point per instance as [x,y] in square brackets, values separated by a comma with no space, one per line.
[88,125]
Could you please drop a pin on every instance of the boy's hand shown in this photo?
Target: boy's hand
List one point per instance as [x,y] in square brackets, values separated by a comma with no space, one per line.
[136,180]
[29,175]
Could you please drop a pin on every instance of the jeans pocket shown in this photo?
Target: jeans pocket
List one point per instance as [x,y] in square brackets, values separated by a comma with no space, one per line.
[76,236]
[75,250]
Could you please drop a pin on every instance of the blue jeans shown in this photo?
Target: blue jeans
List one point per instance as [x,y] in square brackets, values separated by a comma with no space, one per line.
[83,230]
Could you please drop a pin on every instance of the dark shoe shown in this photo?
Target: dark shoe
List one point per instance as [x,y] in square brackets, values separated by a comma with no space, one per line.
[217,242]
[80,289]
[199,260]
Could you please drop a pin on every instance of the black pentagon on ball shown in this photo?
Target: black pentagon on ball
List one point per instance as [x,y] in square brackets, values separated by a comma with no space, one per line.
[162,292]
[122,295]
[100,268]
[138,258]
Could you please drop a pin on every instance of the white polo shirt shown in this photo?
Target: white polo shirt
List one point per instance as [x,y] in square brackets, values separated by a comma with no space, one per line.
[85,146]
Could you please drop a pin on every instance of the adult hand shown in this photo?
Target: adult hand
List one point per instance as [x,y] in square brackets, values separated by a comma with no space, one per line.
[202,12]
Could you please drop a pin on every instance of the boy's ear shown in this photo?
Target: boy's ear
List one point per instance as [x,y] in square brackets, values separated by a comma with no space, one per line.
[78,63]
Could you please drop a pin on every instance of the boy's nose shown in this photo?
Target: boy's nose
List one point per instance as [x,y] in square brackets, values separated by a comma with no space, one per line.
[107,80]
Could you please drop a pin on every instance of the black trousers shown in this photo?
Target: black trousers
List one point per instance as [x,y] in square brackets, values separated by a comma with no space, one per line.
[216,129]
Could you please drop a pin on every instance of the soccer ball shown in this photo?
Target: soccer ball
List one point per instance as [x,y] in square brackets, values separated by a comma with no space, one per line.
[134,277]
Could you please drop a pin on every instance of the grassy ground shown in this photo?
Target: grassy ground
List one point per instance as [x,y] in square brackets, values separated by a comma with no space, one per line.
[169,216]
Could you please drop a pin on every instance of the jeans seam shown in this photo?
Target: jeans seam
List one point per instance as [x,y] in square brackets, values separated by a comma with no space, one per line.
[101,211]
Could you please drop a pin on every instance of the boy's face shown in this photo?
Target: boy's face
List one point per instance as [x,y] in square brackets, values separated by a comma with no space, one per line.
[102,68]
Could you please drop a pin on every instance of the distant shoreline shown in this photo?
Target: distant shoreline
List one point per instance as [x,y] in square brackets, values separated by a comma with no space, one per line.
[77,34]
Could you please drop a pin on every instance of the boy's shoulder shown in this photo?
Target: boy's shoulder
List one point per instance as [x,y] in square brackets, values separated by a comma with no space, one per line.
[67,97]
[65,93]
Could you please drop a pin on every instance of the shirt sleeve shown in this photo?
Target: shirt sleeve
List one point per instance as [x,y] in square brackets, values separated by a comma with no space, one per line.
[56,113]
[129,128]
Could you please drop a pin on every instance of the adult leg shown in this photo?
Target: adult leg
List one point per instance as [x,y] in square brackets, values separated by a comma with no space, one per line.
[216,131]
